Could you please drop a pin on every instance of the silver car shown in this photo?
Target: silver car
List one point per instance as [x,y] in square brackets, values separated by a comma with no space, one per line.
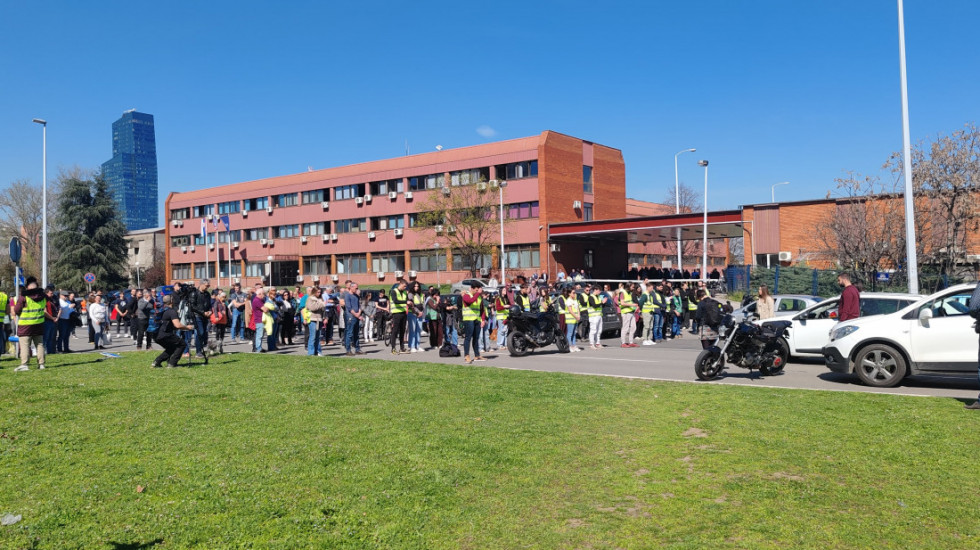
[786,305]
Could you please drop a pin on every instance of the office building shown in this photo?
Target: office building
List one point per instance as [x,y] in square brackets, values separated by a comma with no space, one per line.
[132,171]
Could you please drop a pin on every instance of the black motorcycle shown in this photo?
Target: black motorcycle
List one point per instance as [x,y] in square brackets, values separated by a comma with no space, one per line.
[527,331]
[746,345]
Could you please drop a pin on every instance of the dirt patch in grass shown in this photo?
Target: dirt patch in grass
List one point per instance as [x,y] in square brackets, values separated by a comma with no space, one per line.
[694,432]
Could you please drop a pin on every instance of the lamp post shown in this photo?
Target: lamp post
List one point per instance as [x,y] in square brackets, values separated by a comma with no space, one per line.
[704,230]
[773,189]
[138,275]
[44,200]
[912,255]
[436,248]
[677,204]
[500,189]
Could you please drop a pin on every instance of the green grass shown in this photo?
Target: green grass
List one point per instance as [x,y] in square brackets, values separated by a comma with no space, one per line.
[296,452]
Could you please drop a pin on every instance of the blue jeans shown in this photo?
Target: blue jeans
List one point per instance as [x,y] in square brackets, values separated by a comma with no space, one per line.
[64,333]
[658,326]
[675,327]
[570,332]
[237,324]
[313,338]
[50,335]
[259,337]
[413,331]
[272,339]
[201,334]
[501,333]
[471,334]
[352,332]
[449,333]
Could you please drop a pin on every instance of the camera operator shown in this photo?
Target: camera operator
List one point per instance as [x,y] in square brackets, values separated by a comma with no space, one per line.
[172,344]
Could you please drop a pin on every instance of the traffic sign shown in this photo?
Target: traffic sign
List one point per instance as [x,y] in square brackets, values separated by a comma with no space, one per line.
[15,250]
[90,278]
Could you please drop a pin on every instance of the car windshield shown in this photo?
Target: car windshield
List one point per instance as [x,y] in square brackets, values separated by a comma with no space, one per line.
[826,311]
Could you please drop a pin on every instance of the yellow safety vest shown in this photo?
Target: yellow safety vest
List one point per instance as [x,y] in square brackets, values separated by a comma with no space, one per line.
[33,312]
[3,307]
[571,308]
[399,300]
[524,302]
[472,311]
[595,306]
[626,304]
[692,306]
[502,314]
[649,306]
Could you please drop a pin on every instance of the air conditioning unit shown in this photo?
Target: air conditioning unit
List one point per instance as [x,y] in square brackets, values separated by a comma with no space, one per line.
[481,186]
[183,249]
[271,242]
[268,209]
[445,191]
[299,279]
[413,274]
[211,246]
[325,205]
[208,217]
[785,256]
[244,213]
[484,271]
[358,200]
[399,231]
[381,274]
[176,223]
[192,248]
[452,229]
[399,274]
[494,184]
[326,237]
[263,242]
[408,195]
[556,248]
[371,235]
[439,229]
[303,240]
[367,198]
[235,244]
[392,195]
[577,205]
[335,278]
[973,258]
[333,237]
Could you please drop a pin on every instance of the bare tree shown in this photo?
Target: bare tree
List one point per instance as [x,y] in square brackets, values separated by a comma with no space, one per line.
[690,201]
[20,216]
[466,219]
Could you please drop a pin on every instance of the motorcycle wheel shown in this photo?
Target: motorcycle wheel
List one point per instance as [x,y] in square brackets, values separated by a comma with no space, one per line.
[562,342]
[706,366]
[517,344]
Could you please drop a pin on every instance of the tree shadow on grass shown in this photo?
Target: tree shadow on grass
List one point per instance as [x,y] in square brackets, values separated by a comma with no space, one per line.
[135,545]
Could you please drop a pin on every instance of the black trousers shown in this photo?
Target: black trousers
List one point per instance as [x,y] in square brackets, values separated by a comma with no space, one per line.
[398,323]
[139,329]
[173,348]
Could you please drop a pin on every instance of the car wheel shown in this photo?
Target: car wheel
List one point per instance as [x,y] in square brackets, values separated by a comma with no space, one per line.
[880,365]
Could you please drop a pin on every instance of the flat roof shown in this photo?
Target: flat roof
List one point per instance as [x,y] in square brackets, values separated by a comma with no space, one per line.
[721,224]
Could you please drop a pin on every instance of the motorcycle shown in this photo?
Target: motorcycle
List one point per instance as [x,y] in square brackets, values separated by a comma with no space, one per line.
[746,345]
[527,331]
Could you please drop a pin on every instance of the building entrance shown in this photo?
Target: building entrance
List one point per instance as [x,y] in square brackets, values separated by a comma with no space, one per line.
[284,273]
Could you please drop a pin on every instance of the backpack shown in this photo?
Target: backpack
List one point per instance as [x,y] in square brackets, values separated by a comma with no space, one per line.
[305,314]
[184,313]
[712,313]
[448,350]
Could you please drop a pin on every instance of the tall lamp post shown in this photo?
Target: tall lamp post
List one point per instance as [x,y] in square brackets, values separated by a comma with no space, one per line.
[912,255]
[677,203]
[704,230]
[44,200]
[500,188]
[773,189]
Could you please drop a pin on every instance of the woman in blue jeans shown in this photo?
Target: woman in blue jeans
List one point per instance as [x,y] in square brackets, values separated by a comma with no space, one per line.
[316,307]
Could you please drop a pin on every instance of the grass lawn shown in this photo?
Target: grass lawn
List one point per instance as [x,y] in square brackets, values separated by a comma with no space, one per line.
[296,452]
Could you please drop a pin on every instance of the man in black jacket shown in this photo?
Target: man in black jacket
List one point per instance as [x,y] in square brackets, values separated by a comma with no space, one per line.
[199,303]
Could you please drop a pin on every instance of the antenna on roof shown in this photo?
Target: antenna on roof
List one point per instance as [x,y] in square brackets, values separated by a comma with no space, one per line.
[309,168]
[407,152]
[438,147]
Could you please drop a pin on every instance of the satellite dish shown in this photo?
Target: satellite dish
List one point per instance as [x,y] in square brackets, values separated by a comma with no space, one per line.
[438,147]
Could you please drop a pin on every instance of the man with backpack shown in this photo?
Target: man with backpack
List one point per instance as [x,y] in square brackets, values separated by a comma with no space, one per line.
[709,314]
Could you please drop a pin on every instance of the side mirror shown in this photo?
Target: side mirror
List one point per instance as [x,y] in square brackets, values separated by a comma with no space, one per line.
[924,315]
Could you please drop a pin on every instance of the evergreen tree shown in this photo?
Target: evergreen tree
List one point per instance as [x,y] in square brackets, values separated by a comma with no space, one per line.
[91,236]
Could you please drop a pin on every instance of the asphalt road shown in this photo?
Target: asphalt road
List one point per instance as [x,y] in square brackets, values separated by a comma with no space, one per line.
[672,361]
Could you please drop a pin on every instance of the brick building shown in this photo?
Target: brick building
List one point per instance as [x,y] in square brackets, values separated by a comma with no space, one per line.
[358,221]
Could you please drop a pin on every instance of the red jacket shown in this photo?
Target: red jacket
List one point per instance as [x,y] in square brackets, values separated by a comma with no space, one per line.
[850,304]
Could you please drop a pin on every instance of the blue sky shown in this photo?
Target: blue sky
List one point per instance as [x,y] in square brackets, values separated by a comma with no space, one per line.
[768,91]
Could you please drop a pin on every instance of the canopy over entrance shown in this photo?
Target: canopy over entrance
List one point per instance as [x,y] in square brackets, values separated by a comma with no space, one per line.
[721,225]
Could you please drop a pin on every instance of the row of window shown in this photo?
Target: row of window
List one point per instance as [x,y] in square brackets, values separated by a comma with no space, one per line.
[512,171]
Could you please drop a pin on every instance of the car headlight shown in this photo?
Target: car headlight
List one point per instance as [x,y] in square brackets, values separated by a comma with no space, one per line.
[841,332]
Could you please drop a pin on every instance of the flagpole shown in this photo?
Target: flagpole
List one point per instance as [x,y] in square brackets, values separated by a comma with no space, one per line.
[207,256]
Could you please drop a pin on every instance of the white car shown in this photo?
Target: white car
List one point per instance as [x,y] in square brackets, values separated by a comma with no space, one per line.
[786,305]
[810,330]
[934,336]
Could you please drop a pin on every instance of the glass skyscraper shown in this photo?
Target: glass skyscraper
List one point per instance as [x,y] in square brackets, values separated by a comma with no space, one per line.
[132,171]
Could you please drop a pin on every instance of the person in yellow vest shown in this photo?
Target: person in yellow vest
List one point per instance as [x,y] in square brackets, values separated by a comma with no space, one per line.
[5,313]
[523,299]
[627,310]
[31,311]
[473,321]
[399,316]
[596,301]
[650,304]
[569,307]
[502,307]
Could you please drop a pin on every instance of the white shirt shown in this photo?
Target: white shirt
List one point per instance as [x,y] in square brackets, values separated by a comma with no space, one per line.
[66,309]
[97,312]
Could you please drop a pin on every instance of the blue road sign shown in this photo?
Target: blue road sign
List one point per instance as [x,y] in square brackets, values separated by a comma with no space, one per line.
[15,250]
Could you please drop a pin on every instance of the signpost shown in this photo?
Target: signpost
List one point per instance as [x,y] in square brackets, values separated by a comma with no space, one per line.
[15,253]
[89,279]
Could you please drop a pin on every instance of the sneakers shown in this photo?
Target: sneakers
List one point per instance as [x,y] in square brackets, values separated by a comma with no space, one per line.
[415,350]
[480,358]
[349,354]
[632,345]
[466,359]
[22,368]
[358,352]
[394,352]
[155,365]
[974,407]
[40,367]
[573,349]
[625,346]
[648,342]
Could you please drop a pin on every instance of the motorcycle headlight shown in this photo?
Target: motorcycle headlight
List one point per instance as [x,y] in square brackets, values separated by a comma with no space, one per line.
[841,332]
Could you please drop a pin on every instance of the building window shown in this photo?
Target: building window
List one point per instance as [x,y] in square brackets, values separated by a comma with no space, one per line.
[518,170]
[203,210]
[204,271]
[428,260]
[230,236]
[351,226]
[231,207]
[255,269]
[286,231]
[180,271]
[589,259]
[316,228]
[199,240]
[182,240]
[387,186]
[180,213]
[258,203]
[587,178]
[431,181]
[387,263]
[387,222]
[257,233]
[286,199]
[523,256]
[318,195]
[413,219]
[523,210]
[468,177]
[236,269]
[587,211]
[353,263]
[463,262]
[638,259]
[345,192]
[316,265]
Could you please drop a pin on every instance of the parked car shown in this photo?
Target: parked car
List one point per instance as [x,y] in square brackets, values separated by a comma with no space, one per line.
[934,336]
[810,330]
[786,305]
[464,285]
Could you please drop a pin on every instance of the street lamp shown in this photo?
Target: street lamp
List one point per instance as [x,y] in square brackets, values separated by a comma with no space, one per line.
[677,204]
[910,251]
[704,230]
[44,200]
[500,189]
[773,189]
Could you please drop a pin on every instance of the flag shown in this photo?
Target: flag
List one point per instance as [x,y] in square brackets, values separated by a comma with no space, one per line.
[214,221]
[204,229]
[227,221]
